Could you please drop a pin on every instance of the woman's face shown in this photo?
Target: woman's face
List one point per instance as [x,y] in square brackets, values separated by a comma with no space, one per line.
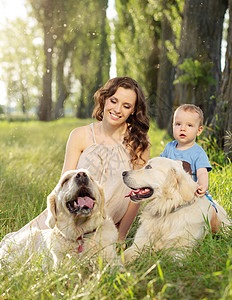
[120,106]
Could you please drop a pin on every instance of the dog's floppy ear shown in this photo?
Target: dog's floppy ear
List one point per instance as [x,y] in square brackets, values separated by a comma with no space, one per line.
[177,180]
[186,185]
[171,184]
[51,205]
[187,189]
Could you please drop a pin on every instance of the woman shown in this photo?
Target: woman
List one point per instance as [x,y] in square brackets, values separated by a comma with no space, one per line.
[116,143]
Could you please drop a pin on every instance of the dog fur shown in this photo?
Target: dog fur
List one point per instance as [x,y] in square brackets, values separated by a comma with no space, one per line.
[173,217]
[78,224]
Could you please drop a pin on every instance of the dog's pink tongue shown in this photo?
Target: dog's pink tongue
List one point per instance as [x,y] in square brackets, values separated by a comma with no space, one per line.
[85,201]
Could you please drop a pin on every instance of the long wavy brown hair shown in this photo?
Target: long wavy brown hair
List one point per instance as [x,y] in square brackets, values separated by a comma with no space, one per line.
[136,138]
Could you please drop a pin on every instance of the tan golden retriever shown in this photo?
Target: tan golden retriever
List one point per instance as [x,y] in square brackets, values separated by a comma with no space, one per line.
[77,221]
[173,218]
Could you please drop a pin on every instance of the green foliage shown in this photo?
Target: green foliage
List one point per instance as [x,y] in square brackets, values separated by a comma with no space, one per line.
[172,53]
[135,31]
[31,158]
[196,73]
[80,53]
[21,62]
[82,47]
[2,110]
[158,139]
[91,53]
[228,140]
[220,184]
[172,10]
[18,117]
[214,151]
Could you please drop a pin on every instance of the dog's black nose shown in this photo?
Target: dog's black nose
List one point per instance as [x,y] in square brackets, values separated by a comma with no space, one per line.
[124,173]
[82,178]
[81,174]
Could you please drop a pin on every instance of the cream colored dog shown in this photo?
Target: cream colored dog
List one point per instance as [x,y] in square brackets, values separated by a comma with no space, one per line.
[77,220]
[173,216]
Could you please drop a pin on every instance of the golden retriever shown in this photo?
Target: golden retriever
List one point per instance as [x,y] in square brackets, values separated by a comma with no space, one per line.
[173,218]
[77,221]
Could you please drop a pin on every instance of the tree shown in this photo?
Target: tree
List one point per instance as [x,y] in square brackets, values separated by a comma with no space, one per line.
[64,46]
[146,39]
[21,62]
[62,85]
[199,66]
[136,36]
[222,121]
[46,13]
[91,56]
[170,16]
[75,49]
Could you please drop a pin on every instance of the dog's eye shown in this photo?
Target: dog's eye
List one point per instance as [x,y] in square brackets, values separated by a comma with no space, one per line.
[65,180]
[148,167]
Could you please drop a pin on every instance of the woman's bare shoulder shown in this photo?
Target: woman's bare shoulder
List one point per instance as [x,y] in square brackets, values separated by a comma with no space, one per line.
[82,135]
[81,131]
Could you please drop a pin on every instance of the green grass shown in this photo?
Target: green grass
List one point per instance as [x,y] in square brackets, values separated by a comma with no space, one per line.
[31,158]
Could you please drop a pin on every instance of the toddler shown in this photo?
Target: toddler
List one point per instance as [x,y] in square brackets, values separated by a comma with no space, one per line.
[187,125]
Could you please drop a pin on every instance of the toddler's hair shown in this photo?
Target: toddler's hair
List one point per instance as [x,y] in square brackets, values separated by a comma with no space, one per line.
[194,109]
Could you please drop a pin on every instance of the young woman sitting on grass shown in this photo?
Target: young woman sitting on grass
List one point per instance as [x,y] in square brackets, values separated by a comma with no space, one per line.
[117,142]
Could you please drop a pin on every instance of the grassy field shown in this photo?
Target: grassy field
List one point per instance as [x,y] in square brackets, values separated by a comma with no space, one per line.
[31,158]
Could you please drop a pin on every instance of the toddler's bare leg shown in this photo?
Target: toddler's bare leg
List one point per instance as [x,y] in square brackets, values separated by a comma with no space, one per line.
[215,222]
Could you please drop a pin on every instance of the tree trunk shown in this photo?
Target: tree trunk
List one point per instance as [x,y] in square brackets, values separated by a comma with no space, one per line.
[153,72]
[81,113]
[101,74]
[227,83]
[166,75]
[45,113]
[81,108]
[201,36]
[61,87]
[222,121]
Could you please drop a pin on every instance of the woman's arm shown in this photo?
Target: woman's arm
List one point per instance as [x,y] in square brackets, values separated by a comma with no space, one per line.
[127,220]
[133,208]
[75,145]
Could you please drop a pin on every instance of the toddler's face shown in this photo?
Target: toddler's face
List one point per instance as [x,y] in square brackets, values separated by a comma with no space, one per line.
[186,127]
